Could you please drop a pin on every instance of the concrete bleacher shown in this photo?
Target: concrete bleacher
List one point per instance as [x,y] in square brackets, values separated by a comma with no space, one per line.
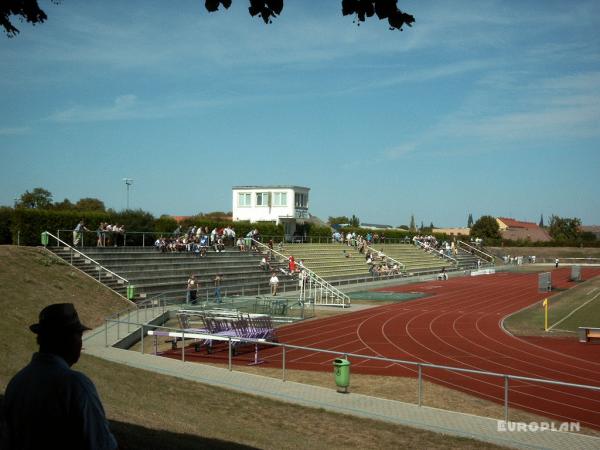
[329,261]
[415,259]
[153,272]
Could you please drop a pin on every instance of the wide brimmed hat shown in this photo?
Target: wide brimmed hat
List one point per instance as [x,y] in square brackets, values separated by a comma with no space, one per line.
[58,318]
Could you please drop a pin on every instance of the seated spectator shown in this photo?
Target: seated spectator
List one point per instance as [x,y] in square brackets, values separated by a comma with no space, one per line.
[442,275]
[240,244]
[219,245]
[264,264]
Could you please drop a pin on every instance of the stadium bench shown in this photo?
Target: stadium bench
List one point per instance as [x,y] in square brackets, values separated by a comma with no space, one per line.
[589,334]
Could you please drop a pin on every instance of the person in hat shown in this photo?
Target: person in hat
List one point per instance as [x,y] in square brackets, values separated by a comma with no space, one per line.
[49,405]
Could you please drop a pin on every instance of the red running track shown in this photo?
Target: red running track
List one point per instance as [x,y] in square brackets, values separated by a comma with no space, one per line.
[459,325]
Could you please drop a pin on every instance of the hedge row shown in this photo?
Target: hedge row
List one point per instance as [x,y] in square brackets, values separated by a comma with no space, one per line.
[25,226]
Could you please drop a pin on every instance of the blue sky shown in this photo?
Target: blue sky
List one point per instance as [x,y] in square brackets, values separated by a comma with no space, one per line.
[482,107]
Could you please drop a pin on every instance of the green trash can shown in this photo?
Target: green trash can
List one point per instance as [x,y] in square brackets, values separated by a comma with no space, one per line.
[341,370]
[45,239]
[130,291]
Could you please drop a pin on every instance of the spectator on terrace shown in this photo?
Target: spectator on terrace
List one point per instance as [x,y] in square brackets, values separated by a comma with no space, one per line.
[240,244]
[78,232]
[264,264]
[191,290]
[442,275]
[219,245]
[49,405]
[274,283]
[177,231]
[100,235]
[291,265]
[556,263]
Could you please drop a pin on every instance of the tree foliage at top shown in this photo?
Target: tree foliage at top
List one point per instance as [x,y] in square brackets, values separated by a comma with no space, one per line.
[39,198]
[564,229]
[470,221]
[486,227]
[30,11]
[27,10]
[384,9]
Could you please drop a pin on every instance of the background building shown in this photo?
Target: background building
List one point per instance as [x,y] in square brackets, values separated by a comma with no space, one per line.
[287,205]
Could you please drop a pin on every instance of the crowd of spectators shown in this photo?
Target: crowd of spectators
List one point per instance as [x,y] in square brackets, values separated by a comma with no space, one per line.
[197,240]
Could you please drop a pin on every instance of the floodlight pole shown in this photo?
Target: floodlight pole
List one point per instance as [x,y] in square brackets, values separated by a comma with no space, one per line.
[128,182]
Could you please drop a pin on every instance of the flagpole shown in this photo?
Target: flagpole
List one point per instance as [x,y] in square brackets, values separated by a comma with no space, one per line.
[545,314]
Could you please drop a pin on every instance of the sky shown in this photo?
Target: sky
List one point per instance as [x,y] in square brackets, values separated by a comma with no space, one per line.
[482,108]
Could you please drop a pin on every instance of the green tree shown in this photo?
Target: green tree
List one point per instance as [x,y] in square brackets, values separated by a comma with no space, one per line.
[486,227]
[90,204]
[337,220]
[39,198]
[30,11]
[470,221]
[541,224]
[354,221]
[65,205]
[412,226]
[564,229]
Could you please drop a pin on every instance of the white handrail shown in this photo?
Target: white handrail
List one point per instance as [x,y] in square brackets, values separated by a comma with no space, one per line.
[437,252]
[100,266]
[312,276]
[488,257]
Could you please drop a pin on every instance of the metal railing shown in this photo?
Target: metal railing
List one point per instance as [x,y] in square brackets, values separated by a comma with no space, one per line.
[416,366]
[311,285]
[474,250]
[434,251]
[143,238]
[387,257]
[74,253]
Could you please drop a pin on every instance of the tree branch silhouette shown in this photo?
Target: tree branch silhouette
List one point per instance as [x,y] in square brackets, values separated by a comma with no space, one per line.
[29,11]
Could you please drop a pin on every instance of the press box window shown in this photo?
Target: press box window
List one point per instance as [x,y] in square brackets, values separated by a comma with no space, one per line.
[262,199]
[280,199]
[244,200]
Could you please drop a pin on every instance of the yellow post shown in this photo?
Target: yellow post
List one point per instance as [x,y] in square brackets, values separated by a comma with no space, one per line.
[545,314]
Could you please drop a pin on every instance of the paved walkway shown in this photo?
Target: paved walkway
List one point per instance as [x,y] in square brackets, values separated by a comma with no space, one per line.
[458,424]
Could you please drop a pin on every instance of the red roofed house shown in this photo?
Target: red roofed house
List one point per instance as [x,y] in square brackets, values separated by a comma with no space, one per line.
[516,230]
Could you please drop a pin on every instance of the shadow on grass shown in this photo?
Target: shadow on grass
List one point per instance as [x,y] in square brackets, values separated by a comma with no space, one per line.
[135,437]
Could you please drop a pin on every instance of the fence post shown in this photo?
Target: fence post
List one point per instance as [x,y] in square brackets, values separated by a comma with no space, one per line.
[420,384]
[143,239]
[106,332]
[283,363]
[142,337]
[506,398]
[229,350]
[182,346]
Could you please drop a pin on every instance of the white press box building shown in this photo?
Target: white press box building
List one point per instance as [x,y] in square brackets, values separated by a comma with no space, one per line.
[287,205]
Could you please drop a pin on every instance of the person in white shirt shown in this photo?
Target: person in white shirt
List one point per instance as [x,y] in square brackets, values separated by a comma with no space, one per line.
[274,283]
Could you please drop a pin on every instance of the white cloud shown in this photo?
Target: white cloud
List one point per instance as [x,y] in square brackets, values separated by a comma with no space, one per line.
[13,131]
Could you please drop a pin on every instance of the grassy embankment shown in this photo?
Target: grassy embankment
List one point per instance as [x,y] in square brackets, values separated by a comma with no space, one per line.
[149,410]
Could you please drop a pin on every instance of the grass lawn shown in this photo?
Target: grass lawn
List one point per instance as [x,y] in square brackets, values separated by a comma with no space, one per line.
[581,304]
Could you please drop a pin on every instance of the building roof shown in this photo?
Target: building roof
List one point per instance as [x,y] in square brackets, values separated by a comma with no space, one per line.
[526,234]
[376,226]
[272,186]
[512,223]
